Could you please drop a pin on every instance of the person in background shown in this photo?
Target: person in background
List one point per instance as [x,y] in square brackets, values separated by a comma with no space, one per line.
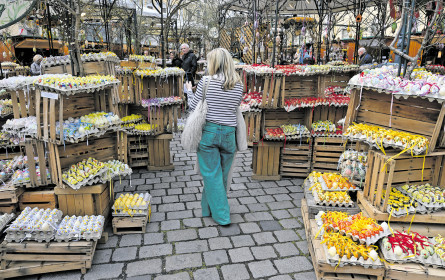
[216,150]
[35,66]
[189,63]
[175,60]
[364,57]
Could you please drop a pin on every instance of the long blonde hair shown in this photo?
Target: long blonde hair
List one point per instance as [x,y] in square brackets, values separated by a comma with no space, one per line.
[220,62]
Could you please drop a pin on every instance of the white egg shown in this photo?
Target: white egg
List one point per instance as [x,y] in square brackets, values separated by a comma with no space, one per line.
[332,251]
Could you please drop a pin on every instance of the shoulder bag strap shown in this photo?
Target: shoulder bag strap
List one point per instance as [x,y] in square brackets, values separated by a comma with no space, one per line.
[206,86]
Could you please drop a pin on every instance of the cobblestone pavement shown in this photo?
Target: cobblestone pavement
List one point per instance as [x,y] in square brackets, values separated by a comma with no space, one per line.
[265,241]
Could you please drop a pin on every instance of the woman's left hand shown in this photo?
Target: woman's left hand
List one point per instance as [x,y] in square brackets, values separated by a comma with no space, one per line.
[188,85]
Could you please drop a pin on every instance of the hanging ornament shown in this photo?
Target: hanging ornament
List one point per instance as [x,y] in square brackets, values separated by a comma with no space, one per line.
[351,35]
[246,23]
[10,53]
[86,43]
[34,49]
[258,34]
[348,29]
[245,50]
[4,54]
[278,39]
[358,18]
[9,41]
[394,27]
[439,54]
[93,44]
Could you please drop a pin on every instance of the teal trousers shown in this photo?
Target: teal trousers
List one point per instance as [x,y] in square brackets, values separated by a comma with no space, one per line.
[216,152]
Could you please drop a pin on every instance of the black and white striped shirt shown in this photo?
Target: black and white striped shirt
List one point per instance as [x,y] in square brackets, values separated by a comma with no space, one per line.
[221,104]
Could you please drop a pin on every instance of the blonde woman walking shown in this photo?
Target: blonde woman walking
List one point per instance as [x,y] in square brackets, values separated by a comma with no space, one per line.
[217,148]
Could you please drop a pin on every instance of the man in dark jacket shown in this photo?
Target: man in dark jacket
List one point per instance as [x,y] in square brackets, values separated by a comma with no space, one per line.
[189,63]
[364,57]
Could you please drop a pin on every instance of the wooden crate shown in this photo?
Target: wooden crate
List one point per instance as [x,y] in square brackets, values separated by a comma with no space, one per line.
[31,257]
[10,153]
[165,118]
[155,87]
[36,198]
[266,161]
[23,103]
[414,115]
[331,113]
[159,153]
[57,69]
[253,126]
[336,79]
[99,68]
[8,209]
[36,149]
[271,85]
[49,110]
[129,225]
[61,157]
[276,118]
[88,200]
[137,148]
[10,195]
[327,152]
[126,88]
[296,159]
[323,269]
[122,142]
[413,271]
[299,86]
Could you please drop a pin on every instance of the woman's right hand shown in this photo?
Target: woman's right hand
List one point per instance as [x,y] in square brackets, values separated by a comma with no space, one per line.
[188,85]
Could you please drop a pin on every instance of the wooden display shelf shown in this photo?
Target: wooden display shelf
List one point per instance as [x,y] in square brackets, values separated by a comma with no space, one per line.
[276,118]
[375,213]
[49,111]
[31,257]
[331,113]
[88,200]
[299,86]
[413,271]
[327,152]
[414,115]
[129,225]
[405,169]
[253,126]
[296,159]
[122,149]
[99,68]
[38,198]
[155,87]
[334,79]
[57,69]
[36,149]
[23,104]
[323,270]
[126,88]
[266,160]
[165,118]
[10,195]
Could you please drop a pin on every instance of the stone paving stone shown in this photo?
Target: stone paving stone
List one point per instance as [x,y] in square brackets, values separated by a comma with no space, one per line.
[174,192]
[65,275]
[172,207]
[265,198]
[237,187]
[264,238]
[268,184]
[187,197]
[155,250]
[207,232]
[236,218]
[280,205]
[178,262]
[238,209]
[290,223]
[284,183]
[169,225]
[208,222]
[257,207]
[130,240]
[235,272]
[220,243]
[170,199]
[262,269]
[179,215]
[256,192]
[270,225]
[297,196]
[283,277]
[111,243]
[153,238]
[181,235]
[124,254]
[177,276]
[152,266]
[193,205]
[242,240]
[286,235]
[102,256]
[306,275]
[193,222]
[297,202]
[215,257]
[263,252]
[258,216]
[206,274]
[247,200]
[191,246]
[286,249]
[302,233]
[158,193]
[152,227]
[294,264]
[295,212]
[233,229]
[157,217]
[104,271]
[282,197]
[240,255]
[281,214]
[140,277]
[303,246]
[249,227]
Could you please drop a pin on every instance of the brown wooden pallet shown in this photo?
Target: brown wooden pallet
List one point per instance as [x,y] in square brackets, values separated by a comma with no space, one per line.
[38,198]
[129,225]
[266,161]
[253,126]
[296,159]
[88,200]
[99,68]
[49,111]
[383,175]
[30,257]
[413,271]
[10,195]
[9,209]
[323,270]
[414,115]
[12,152]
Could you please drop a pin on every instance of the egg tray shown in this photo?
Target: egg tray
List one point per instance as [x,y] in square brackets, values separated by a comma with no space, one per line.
[336,260]
[119,214]
[9,218]
[88,236]
[107,177]
[334,104]
[416,151]
[330,203]
[252,110]
[140,132]
[91,180]
[369,240]
[329,134]
[287,138]
[87,89]
[163,104]
[39,236]
[27,181]
[432,205]
[325,187]
[132,121]
[436,97]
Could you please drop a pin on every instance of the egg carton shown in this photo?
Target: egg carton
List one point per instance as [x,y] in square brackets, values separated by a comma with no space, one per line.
[107,177]
[5,219]
[147,199]
[91,180]
[82,89]
[330,203]
[120,213]
[432,205]
[133,121]
[28,180]
[415,150]
[79,234]
[336,260]
[323,134]
[325,187]
[140,132]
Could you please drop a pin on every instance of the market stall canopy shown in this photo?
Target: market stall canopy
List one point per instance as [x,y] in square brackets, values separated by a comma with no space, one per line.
[38,43]
[289,7]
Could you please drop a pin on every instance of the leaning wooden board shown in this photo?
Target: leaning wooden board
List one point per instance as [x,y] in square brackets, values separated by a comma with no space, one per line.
[323,270]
